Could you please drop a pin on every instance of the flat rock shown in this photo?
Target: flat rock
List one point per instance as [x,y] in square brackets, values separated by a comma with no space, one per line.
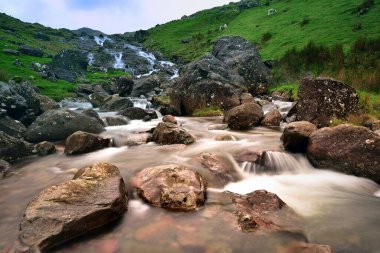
[94,197]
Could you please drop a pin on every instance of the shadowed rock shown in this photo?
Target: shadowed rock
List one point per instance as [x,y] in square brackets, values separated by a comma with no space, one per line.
[45,148]
[12,149]
[81,143]
[244,116]
[172,187]
[94,197]
[296,135]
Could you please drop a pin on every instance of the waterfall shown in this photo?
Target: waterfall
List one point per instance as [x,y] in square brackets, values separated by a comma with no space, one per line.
[119,64]
[91,59]
[141,103]
[100,41]
[272,162]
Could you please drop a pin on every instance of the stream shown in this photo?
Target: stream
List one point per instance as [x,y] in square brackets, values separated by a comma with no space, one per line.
[338,210]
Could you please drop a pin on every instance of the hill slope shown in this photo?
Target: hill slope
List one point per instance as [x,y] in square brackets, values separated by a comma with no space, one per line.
[293,25]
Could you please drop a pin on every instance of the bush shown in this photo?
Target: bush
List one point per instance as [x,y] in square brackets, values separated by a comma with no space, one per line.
[266,37]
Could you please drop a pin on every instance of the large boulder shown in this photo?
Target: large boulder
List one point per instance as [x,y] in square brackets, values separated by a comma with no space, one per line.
[243,57]
[12,149]
[122,85]
[81,143]
[93,114]
[169,133]
[296,135]
[272,118]
[145,85]
[349,149]
[12,127]
[138,113]
[203,83]
[116,103]
[172,187]
[262,210]
[319,100]
[57,125]
[13,103]
[94,197]
[68,63]
[244,116]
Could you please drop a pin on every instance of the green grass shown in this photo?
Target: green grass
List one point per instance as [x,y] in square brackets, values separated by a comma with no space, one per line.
[100,77]
[291,87]
[208,112]
[329,23]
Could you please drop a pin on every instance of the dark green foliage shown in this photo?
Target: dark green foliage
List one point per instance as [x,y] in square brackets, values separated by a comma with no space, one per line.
[4,77]
[304,21]
[266,37]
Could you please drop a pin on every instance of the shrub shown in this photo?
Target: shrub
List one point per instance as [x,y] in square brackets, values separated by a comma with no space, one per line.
[266,37]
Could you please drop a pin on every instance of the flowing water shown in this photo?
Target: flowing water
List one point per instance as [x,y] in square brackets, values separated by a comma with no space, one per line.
[338,210]
[119,64]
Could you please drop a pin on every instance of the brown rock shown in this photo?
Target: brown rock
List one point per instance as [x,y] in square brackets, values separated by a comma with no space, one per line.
[272,118]
[225,138]
[218,165]
[169,133]
[246,98]
[172,187]
[296,135]
[95,197]
[262,210]
[45,148]
[81,143]
[349,149]
[319,100]
[244,116]
[170,119]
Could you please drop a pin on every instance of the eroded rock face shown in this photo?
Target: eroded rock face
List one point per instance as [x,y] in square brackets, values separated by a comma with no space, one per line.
[319,100]
[262,210]
[172,187]
[57,125]
[81,143]
[206,82]
[243,57]
[169,133]
[296,135]
[244,116]
[12,149]
[272,118]
[95,197]
[348,149]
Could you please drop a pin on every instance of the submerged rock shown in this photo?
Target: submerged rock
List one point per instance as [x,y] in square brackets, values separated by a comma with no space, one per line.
[319,100]
[81,143]
[169,133]
[262,210]
[244,116]
[296,135]
[57,125]
[94,197]
[345,148]
[172,187]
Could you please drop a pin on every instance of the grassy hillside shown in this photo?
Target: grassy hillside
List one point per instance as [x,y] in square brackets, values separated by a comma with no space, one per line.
[295,24]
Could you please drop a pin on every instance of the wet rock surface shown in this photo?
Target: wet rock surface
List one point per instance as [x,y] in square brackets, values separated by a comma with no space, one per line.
[116,121]
[272,118]
[81,143]
[169,133]
[262,210]
[94,197]
[319,100]
[57,125]
[138,113]
[172,187]
[348,149]
[244,116]
[296,135]
[12,149]
[45,148]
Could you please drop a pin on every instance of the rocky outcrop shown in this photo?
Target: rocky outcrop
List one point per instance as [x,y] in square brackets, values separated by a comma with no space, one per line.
[12,149]
[81,143]
[295,137]
[319,100]
[14,104]
[348,149]
[244,116]
[262,210]
[138,113]
[68,64]
[32,51]
[272,118]
[243,57]
[122,85]
[57,125]
[206,82]
[94,197]
[172,187]
[145,85]
[45,148]
[169,133]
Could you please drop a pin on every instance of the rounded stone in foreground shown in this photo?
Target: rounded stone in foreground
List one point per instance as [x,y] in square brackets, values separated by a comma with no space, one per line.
[172,187]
